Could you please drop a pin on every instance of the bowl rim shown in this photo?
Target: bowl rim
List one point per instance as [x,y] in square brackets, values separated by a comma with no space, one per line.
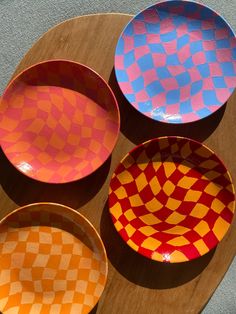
[14,79]
[189,140]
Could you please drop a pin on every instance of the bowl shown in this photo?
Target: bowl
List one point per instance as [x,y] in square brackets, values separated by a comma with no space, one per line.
[59,121]
[52,261]
[171,199]
[175,61]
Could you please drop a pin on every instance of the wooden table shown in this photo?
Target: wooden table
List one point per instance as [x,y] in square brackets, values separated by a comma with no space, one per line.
[135,284]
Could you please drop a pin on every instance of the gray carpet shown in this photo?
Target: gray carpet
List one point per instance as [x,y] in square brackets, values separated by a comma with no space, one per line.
[22,22]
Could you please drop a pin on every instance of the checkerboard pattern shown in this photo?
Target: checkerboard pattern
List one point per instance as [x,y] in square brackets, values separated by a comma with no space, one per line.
[171,199]
[176,61]
[59,122]
[49,263]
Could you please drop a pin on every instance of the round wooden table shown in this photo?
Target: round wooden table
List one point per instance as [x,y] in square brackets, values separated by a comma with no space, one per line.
[135,284]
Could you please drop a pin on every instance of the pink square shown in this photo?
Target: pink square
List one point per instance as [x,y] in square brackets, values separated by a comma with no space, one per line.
[199,58]
[221,33]
[208,24]
[149,76]
[194,75]
[169,83]
[223,55]
[139,27]
[176,69]
[133,71]
[230,82]
[215,69]
[159,59]
[172,109]
[167,26]
[151,16]
[222,94]
[197,102]
[184,53]
[126,87]
[142,96]
[209,45]
[141,51]
[207,83]
[185,93]
[182,30]
[196,36]
[153,38]
[177,9]
[170,47]
[159,100]
[187,117]
[128,43]
[119,62]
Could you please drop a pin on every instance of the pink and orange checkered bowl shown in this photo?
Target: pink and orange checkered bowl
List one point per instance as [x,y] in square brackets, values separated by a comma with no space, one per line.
[52,261]
[171,199]
[59,121]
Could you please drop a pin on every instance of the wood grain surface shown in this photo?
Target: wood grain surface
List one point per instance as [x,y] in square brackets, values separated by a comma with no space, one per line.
[135,284]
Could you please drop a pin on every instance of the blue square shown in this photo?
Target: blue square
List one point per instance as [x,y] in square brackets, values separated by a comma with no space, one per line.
[172,60]
[204,112]
[178,20]
[130,97]
[188,64]
[145,62]
[122,76]
[204,70]
[196,87]
[163,14]
[205,13]
[183,79]
[196,47]
[152,28]
[163,72]
[210,56]
[140,40]
[209,98]
[223,43]
[138,84]
[159,113]
[129,30]
[154,89]
[169,36]
[194,25]
[172,97]
[145,106]
[185,107]
[219,82]
[182,41]
[120,47]
[208,34]
[129,59]
[158,48]
[234,53]
[227,69]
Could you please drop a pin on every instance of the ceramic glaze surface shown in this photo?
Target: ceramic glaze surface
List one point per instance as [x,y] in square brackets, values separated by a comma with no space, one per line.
[59,121]
[176,61]
[171,199]
[50,263]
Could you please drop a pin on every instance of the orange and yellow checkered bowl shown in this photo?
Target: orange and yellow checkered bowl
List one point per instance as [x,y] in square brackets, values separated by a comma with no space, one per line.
[171,199]
[59,121]
[52,260]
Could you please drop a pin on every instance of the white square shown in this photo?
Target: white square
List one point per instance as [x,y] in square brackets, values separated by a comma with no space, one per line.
[17,260]
[49,273]
[41,260]
[65,261]
[56,249]
[25,274]
[27,298]
[76,308]
[67,238]
[98,290]
[85,263]
[68,297]
[94,275]
[32,247]
[8,247]
[77,249]
[3,302]
[38,288]
[23,235]
[5,276]
[48,297]
[3,237]
[13,310]
[59,285]
[55,309]
[72,274]
[81,286]
[45,237]
[36,308]
[15,287]
[89,300]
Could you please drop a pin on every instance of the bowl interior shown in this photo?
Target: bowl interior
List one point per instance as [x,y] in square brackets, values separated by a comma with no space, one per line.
[176,61]
[59,121]
[171,199]
[52,260]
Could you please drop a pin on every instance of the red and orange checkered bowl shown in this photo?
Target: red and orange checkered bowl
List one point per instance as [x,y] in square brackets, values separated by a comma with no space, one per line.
[50,262]
[171,199]
[59,121]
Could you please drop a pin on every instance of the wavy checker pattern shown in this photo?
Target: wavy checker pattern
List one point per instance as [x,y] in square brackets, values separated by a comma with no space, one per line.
[59,122]
[176,61]
[49,266]
[171,199]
